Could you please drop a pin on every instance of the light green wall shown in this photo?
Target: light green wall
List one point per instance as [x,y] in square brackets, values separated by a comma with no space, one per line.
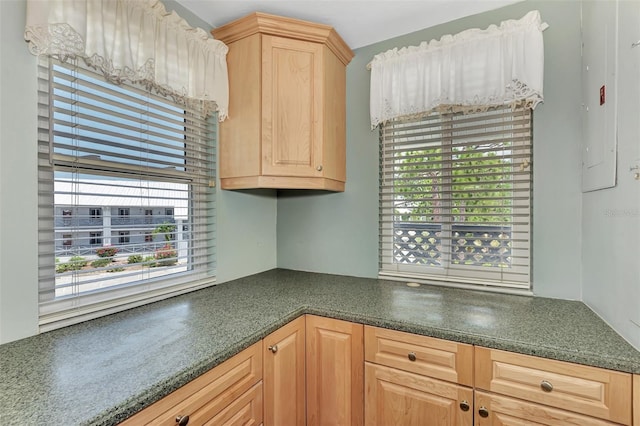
[338,233]
[611,217]
[246,234]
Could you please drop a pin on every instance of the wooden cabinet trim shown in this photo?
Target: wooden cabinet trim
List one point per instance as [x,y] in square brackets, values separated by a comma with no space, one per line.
[265,23]
[635,397]
[282,182]
[247,410]
[582,389]
[437,358]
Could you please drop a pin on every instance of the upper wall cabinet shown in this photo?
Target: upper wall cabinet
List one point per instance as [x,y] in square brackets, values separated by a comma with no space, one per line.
[287,88]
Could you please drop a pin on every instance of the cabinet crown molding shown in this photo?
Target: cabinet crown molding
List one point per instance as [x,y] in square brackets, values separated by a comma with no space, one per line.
[265,23]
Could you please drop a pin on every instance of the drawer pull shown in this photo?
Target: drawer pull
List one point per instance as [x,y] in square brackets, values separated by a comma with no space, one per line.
[483,412]
[412,356]
[273,348]
[546,386]
[182,420]
[464,406]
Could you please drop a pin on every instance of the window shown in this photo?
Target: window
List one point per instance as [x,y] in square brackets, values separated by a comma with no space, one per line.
[95,213]
[67,240]
[122,151]
[455,198]
[148,237]
[148,216]
[168,212]
[124,237]
[66,217]
[95,238]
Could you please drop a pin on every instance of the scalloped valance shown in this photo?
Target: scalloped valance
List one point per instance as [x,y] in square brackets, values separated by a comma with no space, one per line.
[136,41]
[471,71]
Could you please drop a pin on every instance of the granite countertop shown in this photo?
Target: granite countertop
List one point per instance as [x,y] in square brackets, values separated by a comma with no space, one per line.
[103,371]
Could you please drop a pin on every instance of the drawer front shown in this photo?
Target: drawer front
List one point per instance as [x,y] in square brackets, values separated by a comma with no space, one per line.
[592,391]
[244,411]
[395,398]
[505,411]
[208,394]
[423,355]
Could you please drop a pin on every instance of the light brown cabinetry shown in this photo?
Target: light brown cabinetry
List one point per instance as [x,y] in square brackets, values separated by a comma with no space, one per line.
[284,375]
[335,364]
[230,394]
[500,410]
[416,380]
[572,388]
[636,400]
[287,105]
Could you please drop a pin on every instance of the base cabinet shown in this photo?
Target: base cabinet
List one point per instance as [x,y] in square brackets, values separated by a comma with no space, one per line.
[335,378]
[320,371]
[394,398]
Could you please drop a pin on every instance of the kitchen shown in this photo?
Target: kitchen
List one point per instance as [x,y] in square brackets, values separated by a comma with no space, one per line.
[571,228]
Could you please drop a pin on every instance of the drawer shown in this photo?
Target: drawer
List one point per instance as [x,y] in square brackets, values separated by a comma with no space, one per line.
[244,411]
[587,390]
[427,356]
[502,410]
[207,395]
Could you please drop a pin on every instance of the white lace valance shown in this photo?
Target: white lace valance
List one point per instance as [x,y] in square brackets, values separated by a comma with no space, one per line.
[473,70]
[136,41]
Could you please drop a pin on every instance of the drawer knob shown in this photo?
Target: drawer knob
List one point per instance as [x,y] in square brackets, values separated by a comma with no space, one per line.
[464,406]
[182,420]
[273,348]
[319,168]
[483,412]
[412,356]
[546,386]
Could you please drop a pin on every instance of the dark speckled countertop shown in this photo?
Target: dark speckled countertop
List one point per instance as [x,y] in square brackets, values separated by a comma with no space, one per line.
[102,371]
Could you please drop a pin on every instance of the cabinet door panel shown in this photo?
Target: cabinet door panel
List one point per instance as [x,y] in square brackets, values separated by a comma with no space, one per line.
[284,375]
[291,107]
[505,411]
[394,397]
[335,378]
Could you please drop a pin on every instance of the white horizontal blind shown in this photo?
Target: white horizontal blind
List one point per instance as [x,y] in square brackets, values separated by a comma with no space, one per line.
[455,198]
[126,204]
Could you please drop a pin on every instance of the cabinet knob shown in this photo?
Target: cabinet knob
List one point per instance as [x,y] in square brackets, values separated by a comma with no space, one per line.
[273,348]
[546,386]
[464,406]
[182,420]
[319,168]
[412,356]
[483,412]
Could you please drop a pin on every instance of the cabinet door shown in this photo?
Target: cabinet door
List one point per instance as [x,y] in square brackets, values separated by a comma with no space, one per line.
[335,379]
[284,375]
[394,397]
[495,410]
[291,107]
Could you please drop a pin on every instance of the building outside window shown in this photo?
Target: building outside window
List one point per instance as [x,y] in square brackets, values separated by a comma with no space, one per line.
[95,238]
